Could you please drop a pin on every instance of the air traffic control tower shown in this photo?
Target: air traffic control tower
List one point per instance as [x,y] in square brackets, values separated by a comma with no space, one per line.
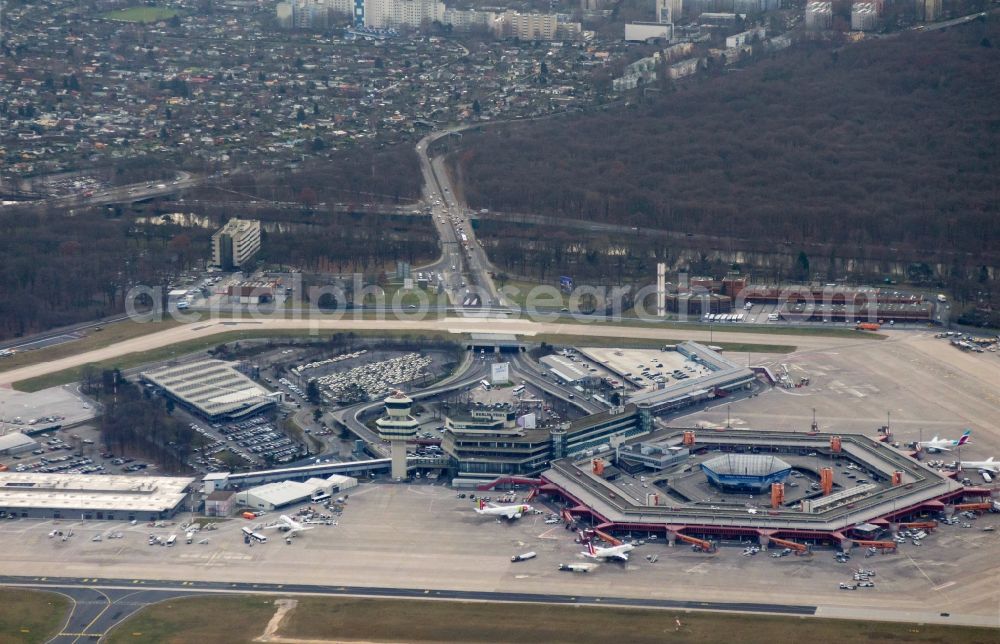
[397,426]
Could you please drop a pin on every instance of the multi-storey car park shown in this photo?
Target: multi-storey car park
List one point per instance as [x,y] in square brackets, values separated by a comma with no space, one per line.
[679,502]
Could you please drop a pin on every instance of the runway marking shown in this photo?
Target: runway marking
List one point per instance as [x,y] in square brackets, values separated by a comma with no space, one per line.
[920,570]
[696,568]
[548,533]
[943,586]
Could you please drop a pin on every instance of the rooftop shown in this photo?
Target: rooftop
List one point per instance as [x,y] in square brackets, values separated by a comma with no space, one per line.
[212,387]
[14,440]
[86,492]
[746,464]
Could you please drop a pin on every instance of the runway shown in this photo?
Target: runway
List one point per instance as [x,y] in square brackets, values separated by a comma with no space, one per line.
[527,328]
[101,604]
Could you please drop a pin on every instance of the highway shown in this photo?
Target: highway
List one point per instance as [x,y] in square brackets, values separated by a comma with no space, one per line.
[101,604]
[460,257]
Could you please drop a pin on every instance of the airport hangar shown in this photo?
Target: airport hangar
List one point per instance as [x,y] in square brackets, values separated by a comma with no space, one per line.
[84,496]
[908,489]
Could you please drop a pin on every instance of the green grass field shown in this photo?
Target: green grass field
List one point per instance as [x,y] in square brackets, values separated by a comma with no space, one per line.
[30,616]
[142,14]
[111,334]
[198,619]
[318,619]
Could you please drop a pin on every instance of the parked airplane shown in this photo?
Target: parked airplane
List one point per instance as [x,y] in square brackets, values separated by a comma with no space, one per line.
[289,525]
[506,511]
[614,552]
[946,444]
[989,465]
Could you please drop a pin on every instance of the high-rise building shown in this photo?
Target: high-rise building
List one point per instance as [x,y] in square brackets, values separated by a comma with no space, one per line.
[470,19]
[819,15]
[928,10]
[669,11]
[236,243]
[385,14]
[863,16]
[304,14]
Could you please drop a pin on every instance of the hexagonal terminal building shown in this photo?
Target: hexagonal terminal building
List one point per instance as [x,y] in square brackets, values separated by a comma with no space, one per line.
[745,472]
[397,426]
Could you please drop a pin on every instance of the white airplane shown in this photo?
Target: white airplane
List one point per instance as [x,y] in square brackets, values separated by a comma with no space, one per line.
[506,511]
[944,444]
[989,465]
[289,525]
[619,552]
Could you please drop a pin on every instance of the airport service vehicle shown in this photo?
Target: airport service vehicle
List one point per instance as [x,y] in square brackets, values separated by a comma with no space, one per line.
[944,444]
[576,567]
[989,465]
[249,534]
[524,557]
[867,326]
[506,511]
[190,536]
[172,539]
[617,553]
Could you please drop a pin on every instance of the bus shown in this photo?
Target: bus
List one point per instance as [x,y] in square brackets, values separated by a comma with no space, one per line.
[485,384]
[518,390]
[256,536]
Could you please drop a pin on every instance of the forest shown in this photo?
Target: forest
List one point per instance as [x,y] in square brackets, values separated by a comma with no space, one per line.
[888,147]
[136,423]
[59,268]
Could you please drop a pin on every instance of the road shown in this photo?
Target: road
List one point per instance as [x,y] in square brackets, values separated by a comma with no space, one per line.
[468,373]
[461,254]
[101,604]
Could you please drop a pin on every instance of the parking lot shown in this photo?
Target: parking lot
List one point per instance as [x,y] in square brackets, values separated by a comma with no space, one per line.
[74,450]
[259,441]
[644,368]
[58,406]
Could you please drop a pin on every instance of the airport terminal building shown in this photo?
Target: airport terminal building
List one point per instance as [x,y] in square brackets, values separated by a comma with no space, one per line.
[486,450]
[678,502]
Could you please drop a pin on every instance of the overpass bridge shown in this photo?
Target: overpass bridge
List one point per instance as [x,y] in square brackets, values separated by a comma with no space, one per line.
[362,469]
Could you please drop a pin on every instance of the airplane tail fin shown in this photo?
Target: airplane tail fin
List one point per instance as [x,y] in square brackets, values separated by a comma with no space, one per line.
[590,548]
[482,504]
[965,437]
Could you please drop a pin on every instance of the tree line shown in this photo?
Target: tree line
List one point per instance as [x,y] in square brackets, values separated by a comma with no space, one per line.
[135,422]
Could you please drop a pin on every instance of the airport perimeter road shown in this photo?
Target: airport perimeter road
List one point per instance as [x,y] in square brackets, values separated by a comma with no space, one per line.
[207,329]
